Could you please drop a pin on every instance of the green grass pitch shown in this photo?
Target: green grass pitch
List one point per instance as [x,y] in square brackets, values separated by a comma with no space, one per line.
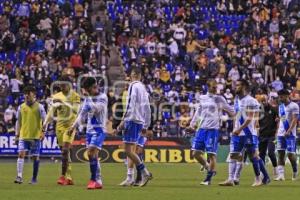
[171,181]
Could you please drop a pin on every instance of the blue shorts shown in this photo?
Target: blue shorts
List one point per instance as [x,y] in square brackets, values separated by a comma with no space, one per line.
[32,146]
[132,132]
[141,141]
[240,143]
[95,139]
[206,140]
[286,143]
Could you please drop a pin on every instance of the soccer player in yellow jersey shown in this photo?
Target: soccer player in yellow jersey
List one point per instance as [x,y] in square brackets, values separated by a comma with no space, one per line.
[29,132]
[64,110]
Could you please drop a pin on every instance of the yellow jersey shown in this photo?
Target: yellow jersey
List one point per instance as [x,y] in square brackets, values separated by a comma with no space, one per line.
[29,121]
[64,113]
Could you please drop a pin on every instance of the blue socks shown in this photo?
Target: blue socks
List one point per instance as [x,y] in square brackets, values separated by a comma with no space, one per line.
[263,169]
[141,156]
[209,176]
[256,166]
[93,168]
[140,167]
[36,164]
[294,166]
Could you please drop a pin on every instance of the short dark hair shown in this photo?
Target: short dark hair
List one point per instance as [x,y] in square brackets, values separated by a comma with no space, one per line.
[245,84]
[65,78]
[136,70]
[28,89]
[283,92]
[88,82]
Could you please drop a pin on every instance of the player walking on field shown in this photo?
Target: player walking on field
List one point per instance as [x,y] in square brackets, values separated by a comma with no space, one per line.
[94,111]
[286,134]
[64,110]
[135,122]
[29,134]
[244,137]
[206,139]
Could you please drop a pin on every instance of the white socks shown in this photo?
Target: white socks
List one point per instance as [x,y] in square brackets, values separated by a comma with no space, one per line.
[231,170]
[20,166]
[280,170]
[130,174]
[238,169]
[98,176]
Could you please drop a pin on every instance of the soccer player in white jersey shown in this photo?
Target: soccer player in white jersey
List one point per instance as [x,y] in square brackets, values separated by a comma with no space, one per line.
[209,111]
[286,134]
[135,122]
[94,111]
[244,137]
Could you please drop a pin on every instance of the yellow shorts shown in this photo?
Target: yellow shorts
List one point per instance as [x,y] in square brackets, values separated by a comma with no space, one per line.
[63,137]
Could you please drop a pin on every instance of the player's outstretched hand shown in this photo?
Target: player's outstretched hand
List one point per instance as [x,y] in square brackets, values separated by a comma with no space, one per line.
[236,132]
[287,134]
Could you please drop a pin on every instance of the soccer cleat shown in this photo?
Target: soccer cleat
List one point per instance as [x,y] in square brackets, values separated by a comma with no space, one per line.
[236,182]
[33,182]
[127,183]
[205,183]
[257,182]
[19,180]
[145,179]
[295,176]
[227,183]
[280,177]
[266,181]
[98,185]
[68,182]
[93,185]
[137,183]
[61,180]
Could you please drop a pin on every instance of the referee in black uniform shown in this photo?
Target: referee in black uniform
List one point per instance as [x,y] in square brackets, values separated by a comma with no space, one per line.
[268,124]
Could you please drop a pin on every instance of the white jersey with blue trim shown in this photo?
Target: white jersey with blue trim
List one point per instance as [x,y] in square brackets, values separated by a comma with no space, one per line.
[242,106]
[286,116]
[94,112]
[209,111]
[137,105]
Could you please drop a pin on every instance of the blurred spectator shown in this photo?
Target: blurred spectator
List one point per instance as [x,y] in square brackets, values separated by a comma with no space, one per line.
[10,114]
[2,128]
[157,129]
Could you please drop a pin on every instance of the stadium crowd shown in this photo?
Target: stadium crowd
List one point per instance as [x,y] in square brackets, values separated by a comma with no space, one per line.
[181,44]
[41,40]
[178,44]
